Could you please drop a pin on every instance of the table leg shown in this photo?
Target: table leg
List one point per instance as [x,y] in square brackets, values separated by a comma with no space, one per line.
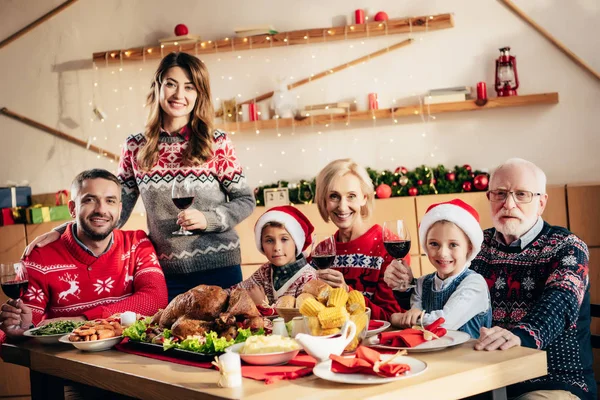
[45,386]
[499,394]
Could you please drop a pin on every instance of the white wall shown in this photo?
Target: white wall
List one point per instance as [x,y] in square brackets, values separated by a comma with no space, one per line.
[47,75]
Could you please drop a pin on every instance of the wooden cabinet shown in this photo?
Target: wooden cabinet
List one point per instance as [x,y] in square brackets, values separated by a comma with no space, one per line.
[584,212]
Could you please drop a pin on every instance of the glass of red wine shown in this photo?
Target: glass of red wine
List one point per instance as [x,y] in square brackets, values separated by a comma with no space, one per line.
[396,239]
[14,280]
[182,194]
[323,251]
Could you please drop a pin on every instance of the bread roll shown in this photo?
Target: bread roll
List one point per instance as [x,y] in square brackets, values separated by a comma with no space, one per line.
[300,299]
[319,289]
[285,302]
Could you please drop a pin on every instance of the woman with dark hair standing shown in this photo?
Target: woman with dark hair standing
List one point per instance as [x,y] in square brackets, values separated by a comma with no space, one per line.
[180,143]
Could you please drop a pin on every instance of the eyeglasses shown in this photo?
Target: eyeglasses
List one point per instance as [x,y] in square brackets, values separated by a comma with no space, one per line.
[519,196]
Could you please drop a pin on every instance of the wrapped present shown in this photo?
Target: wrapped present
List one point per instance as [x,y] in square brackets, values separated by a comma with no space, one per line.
[15,196]
[11,216]
[51,199]
[59,213]
[38,214]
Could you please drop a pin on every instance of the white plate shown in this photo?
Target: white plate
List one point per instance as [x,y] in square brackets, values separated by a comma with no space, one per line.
[278,358]
[323,371]
[45,339]
[374,332]
[451,338]
[93,345]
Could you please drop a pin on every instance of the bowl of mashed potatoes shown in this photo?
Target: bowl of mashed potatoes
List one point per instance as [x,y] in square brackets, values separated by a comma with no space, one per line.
[266,350]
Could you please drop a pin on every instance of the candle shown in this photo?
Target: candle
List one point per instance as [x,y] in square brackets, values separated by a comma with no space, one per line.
[373,103]
[230,370]
[253,111]
[359,17]
[481,91]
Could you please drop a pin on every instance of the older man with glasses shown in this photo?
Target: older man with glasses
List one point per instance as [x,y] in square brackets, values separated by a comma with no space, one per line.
[539,285]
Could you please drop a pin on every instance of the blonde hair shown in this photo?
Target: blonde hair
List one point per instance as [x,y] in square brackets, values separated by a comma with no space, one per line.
[339,168]
[199,148]
[540,176]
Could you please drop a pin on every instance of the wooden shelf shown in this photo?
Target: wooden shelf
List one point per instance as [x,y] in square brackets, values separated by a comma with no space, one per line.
[392,113]
[292,38]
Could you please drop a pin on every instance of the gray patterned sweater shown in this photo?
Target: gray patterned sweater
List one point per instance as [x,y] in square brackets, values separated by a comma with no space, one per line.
[221,194]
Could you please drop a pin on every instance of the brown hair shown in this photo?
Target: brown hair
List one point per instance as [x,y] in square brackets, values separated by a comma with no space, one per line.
[95,173]
[199,148]
[339,168]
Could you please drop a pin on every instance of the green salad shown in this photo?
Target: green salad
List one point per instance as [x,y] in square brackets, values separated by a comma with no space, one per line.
[209,344]
[57,328]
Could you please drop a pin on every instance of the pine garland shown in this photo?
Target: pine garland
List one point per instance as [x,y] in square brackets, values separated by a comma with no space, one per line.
[402,182]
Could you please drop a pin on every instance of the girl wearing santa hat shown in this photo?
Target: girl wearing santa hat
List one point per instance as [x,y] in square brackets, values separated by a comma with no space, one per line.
[281,234]
[451,236]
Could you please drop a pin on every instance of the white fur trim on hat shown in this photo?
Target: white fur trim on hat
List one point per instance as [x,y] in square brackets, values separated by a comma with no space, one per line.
[291,225]
[457,215]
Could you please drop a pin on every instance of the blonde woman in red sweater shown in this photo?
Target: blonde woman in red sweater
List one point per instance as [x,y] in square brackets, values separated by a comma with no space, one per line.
[344,195]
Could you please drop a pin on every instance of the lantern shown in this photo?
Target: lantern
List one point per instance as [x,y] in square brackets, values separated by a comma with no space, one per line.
[507,79]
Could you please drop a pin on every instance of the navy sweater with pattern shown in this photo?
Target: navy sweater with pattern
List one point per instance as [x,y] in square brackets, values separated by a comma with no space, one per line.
[541,294]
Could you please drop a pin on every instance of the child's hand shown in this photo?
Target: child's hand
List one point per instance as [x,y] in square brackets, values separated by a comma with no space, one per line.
[257,294]
[406,319]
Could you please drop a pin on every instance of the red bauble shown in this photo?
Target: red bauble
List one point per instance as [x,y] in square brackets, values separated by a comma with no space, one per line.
[381,16]
[419,182]
[383,191]
[481,182]
[394,183]
[433,181]
[181,30]
[467,167]
[413,191]
[467,186]
[451,176]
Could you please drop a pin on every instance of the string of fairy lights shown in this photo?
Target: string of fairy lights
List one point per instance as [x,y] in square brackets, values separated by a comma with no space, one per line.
[120,89]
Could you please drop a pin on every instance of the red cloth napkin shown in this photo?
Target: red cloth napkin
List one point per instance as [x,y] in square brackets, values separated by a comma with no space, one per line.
[364,362]
[411,337]
[374,324]
[299,366]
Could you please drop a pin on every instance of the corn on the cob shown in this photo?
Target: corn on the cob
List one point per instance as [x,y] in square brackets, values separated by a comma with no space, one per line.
[337,297]
[311,307]
[332,317]
[356,302]
[314,326]
[331,331]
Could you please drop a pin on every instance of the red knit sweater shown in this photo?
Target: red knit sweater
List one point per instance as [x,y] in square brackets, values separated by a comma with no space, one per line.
[363,262]
[67,281]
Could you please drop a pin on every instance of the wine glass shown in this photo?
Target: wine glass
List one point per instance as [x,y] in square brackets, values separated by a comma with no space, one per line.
[14,281]
[182,194]
[323,251]
[396,239]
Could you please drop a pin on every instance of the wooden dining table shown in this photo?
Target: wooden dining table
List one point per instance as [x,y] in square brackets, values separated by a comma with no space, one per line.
[451,373]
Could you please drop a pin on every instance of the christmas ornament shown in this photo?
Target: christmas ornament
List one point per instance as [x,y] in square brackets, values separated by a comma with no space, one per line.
[403,170]
[472,175]
[383,191]
[403,181]
[181,30]
[419,182]
[394,183]
[481,182]
[467,186]
[413,191]
[467,167]
[433,181]
[381,16]
[507,79]
[305,192]
[451,176]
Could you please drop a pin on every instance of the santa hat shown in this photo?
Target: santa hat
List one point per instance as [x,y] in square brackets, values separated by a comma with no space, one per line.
[296,223]
[459,213]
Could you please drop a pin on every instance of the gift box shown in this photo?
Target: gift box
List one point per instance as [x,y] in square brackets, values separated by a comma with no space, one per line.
[11,216]
[38,214]
[59,213]
[15,196]
[51,199]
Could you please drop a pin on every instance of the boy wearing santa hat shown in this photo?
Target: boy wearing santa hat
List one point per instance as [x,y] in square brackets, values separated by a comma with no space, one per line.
[281,234]
[451,236]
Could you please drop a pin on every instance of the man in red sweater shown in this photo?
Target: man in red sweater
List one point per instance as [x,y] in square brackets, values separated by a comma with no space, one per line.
[93,270]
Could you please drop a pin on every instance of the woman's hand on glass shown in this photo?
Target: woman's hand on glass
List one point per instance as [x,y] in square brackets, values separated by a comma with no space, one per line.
[398,274]
[332,277]
[192,219]
[41,241]
[15,318]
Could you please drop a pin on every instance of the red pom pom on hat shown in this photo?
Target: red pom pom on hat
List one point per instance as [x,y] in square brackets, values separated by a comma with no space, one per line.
[296,223]
[459,213]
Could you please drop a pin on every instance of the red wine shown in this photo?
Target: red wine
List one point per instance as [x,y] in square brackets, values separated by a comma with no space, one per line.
[15,289]
[183,202]
[323,262]
[397,249]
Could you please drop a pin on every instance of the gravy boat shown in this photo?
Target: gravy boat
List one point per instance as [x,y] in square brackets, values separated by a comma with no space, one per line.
[321,347]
